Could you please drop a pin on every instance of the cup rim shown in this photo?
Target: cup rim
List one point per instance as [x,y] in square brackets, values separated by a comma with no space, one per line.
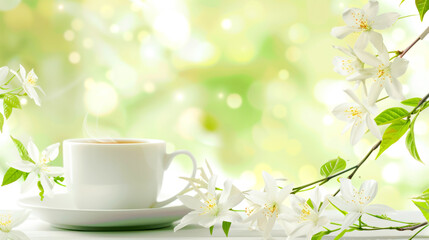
[96,141]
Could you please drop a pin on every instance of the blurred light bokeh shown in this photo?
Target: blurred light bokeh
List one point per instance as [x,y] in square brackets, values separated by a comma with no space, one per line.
[247,85]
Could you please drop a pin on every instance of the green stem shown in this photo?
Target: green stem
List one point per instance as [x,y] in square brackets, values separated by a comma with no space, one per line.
[321,181]
[8,81]
[13,90]
[381,99]
[392,220]
[418,232]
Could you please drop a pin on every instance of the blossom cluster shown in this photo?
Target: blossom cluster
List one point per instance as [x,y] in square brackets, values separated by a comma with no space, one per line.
[373,70]
[359,66]
[273,204]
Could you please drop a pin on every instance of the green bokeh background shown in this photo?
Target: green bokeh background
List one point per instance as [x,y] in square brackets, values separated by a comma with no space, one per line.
[247,85]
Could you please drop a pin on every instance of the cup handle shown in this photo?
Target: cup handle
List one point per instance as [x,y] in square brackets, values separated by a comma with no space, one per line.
[167,161]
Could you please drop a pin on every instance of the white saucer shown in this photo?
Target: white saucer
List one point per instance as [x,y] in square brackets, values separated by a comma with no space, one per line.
[60,212]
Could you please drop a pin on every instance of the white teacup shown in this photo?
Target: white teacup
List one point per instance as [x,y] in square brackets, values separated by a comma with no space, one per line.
[118,173]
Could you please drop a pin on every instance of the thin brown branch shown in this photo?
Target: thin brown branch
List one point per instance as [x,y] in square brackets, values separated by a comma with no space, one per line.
[421,37]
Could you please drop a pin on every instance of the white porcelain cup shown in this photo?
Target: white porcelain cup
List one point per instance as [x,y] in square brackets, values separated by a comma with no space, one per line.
[117,173]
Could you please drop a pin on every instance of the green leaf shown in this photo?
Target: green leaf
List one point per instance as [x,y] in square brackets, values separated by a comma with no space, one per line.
[1,122]
[42,191]
[319,235]
[226,226]
[390,115]
[422,197]
[12,101]
[339,236]
[211,230]
[424,208]
[392,134]
[422,7]
[413,102]
[7,110]
[332,167]
[310,203]
[11,176]
[21,149]
[411,142]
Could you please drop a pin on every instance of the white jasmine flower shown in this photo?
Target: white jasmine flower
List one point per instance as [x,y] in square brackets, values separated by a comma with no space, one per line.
[28,82]
[306,220]
[40,168]
[358,115]
[9,220]
[385,73]
[351,66]
[4,71]
[267,205]
[211,208]
[202,181]
[356,203]
[365,21]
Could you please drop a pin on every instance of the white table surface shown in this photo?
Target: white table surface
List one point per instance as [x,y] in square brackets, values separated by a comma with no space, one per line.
[37,229]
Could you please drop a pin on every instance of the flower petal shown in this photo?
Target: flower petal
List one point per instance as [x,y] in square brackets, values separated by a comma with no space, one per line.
[362,41]
[47,185]
[235,197]
[230,216]
[369,188]
[283,193]
[207,220]
[347,51]
[302,229]
[352,17]
[342,32]
[371,9]
[269,226]
[54,171]
[29,182]
[374,92]
[341,204]
[4,236]
[190,202]
[23,73]
[343,66]
[19,217]
[23,166]
[32,94]
[257,197]
[51,152]
[212,185]
[378,209]
[361,75]
[350,219]
[385,20]
[393,90]
[398,67]
[226,192]
[190,218]
[33,151]
[353,96]
[347,189]
[368,58]
[377,40]
[270,183]
[17,235]
[4,71]
[342,111]
[372,126]
[358,130]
